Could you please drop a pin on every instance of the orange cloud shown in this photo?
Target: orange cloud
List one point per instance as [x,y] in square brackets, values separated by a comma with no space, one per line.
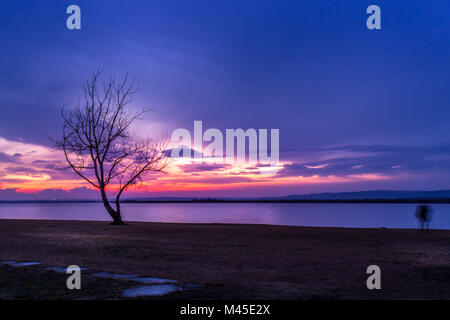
[34,174]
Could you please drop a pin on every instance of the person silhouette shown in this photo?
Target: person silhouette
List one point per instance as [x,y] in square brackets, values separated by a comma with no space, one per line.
[423,215]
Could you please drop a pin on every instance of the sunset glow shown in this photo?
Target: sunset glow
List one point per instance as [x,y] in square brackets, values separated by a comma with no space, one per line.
[34,168]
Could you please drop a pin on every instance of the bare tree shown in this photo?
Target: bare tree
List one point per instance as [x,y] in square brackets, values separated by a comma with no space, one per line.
[97,144]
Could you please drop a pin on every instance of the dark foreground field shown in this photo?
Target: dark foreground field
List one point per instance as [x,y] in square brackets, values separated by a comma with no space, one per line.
[229,261]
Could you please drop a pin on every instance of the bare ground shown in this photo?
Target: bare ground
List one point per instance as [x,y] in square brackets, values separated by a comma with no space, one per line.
[230,261]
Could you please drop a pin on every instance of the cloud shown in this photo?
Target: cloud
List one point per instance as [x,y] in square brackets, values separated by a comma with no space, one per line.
[21,170]
[82,193]
[318,166]
[215,180]
[50,164]
[8,158]
[191,153]
[377,159]
[192,167]
[18,151]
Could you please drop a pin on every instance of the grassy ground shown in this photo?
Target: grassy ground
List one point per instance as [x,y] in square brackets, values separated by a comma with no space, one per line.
[230,261]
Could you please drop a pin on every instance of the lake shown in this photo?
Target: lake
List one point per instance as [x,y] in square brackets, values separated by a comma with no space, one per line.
[290,214]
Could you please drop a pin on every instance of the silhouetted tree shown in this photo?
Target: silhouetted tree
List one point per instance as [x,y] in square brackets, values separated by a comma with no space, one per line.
[97,144]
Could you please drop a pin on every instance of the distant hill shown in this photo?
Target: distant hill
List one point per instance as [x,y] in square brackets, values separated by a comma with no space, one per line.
[376,194]
[371,196]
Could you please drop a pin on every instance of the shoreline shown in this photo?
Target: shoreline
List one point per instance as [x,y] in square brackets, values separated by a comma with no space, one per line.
[332,201]
[130,222]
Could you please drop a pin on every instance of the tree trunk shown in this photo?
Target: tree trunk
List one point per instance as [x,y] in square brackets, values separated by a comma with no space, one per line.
[115,215]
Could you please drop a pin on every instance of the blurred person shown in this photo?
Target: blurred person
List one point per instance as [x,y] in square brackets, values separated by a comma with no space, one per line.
[423,215]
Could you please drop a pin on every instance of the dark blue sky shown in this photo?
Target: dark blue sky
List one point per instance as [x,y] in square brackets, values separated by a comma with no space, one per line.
[340,93]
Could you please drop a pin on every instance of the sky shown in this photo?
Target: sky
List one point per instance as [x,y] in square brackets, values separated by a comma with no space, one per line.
[357,109]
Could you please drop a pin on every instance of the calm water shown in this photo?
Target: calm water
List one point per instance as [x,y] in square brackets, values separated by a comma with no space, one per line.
[331,215]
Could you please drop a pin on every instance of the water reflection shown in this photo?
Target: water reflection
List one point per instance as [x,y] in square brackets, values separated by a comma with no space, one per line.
[332,215]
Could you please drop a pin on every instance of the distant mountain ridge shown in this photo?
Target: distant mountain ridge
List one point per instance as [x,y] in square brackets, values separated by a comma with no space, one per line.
[325,196]
[375,194]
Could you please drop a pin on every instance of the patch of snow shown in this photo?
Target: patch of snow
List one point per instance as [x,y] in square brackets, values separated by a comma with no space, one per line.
[13,263]
[155,290]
